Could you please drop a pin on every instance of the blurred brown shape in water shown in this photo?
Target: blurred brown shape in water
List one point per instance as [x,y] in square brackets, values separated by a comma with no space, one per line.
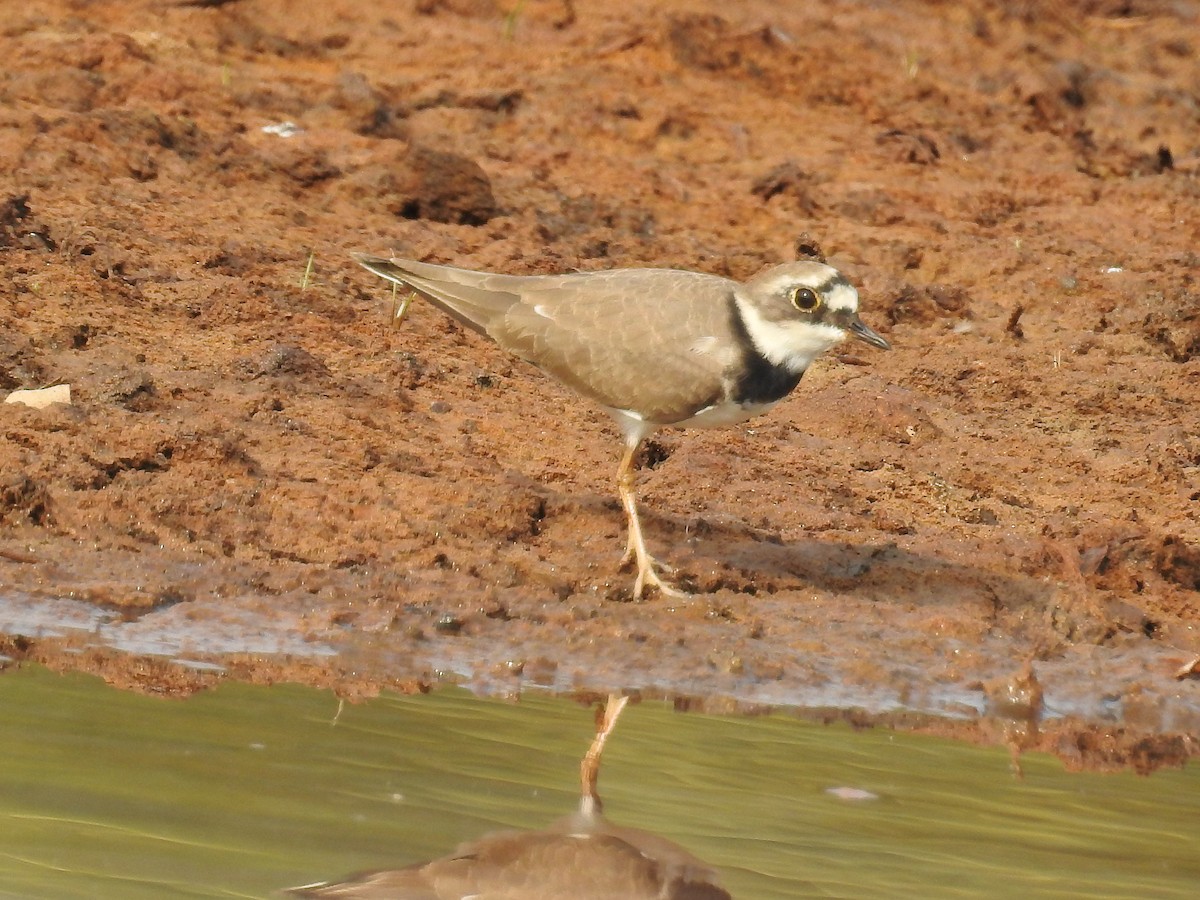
[579,857]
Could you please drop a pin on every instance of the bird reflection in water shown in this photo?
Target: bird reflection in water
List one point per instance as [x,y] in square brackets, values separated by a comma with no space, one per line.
[579,857]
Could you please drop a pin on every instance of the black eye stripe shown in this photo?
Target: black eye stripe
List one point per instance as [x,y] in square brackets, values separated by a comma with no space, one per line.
[836,280]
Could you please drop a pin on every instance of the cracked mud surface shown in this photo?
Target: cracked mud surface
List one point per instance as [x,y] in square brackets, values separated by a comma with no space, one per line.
[990,532]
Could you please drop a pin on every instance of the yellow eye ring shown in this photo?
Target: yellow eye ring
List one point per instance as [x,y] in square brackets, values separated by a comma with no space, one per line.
[805,299]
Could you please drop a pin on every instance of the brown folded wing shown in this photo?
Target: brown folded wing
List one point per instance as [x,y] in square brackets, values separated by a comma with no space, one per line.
[656,342]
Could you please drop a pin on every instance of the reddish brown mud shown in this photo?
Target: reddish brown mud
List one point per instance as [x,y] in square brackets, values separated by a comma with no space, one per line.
[259,479]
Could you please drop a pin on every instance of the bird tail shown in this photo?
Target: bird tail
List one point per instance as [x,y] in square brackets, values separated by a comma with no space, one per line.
[476,299]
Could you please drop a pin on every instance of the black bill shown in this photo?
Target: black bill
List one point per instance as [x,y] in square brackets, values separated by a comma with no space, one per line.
[867,334]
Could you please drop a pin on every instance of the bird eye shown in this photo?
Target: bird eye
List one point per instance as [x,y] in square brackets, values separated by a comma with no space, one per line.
[805,299]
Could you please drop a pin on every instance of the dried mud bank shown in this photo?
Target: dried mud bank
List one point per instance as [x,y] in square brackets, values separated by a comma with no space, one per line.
[255,472]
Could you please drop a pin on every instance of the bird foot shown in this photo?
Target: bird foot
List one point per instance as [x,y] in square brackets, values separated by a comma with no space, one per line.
[649,574]
[647,577]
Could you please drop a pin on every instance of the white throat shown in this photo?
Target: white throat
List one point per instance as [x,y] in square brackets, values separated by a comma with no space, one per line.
[793,345]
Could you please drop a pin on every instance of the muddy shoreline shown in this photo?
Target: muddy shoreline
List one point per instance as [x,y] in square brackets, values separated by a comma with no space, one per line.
[260,478]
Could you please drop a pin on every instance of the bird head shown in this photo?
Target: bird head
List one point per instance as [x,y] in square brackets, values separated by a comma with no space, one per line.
[796,311]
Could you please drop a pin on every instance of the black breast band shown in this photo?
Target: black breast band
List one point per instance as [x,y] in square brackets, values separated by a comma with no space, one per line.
[759,380]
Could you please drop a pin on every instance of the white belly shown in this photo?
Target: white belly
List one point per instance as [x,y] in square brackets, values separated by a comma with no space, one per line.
[720,415]
[723,414]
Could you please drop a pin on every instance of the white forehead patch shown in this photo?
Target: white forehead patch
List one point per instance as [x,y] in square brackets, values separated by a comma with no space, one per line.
[842,296]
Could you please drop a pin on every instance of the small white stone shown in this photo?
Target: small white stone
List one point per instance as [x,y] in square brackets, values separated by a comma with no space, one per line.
[40,398]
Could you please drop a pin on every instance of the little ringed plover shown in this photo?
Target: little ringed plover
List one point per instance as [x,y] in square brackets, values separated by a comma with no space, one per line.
[653,347]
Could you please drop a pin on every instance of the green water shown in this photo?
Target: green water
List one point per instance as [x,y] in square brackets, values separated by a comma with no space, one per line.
[245,790]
